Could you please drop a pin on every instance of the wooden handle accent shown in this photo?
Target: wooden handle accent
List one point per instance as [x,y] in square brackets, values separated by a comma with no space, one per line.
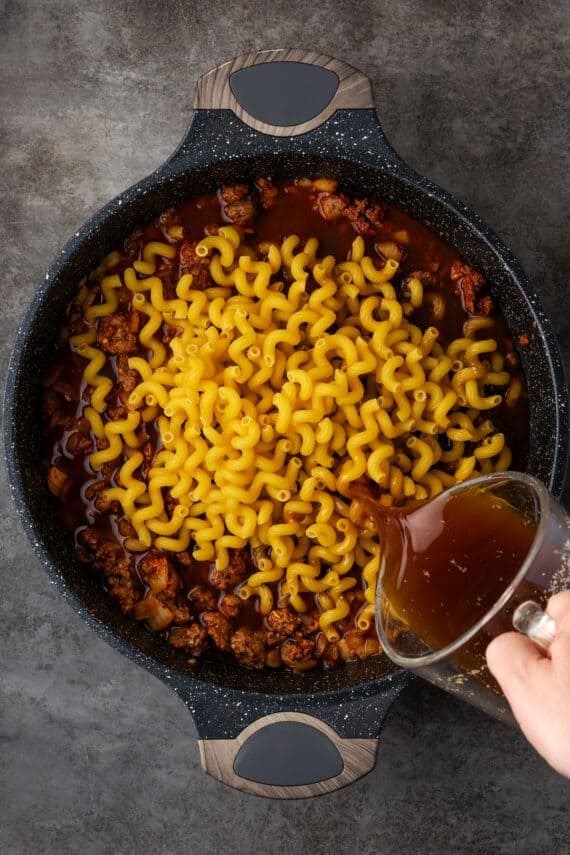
[214,91]
[218,759]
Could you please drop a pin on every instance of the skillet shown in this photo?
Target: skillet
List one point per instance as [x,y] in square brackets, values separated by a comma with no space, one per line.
[284,113]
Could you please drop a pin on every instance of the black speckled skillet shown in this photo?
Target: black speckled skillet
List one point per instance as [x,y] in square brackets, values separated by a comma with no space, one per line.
[285,114]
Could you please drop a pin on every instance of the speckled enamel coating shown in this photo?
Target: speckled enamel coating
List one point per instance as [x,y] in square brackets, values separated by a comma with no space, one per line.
[219,148]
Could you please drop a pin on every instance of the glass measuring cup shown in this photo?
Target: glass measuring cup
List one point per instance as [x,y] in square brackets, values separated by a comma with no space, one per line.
[455,660]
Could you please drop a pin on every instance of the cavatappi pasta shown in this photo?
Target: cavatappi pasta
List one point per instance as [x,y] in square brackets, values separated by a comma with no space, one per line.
[231,389]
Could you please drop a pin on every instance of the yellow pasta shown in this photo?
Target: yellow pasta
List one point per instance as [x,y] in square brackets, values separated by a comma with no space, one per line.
[278,388]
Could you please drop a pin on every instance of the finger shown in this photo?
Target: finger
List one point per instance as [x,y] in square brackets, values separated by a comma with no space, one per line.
[513,660]
[524,675]
[558,607]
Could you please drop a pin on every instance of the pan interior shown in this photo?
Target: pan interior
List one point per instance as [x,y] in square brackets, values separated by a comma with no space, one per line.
[34,346]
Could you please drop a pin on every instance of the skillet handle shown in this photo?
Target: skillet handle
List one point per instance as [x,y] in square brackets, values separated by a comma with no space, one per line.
[289,746]
[283,92]
[288,755]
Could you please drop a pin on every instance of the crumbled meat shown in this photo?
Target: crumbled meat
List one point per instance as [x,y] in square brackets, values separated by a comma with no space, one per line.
[203,599]
[126,528]
[169,279]
[118,333]
[83,426]
[248,648]
[53,412]
[470,282]
[148,456]
[310,626]
[240,213]
[234,192]
[128,377]
[192,263]
[132,248]
[331,206]
[331,655]
[119,575]
[366,216]
[231,576]
[78,444]
[229,605]
[193,639]
[267,192]
[156,571]
[295,653]
[181,612]
[116,413]
[283,622]
[124,296]
[113,560]
[88,538]
[102,504]
[219,629]
[239,207]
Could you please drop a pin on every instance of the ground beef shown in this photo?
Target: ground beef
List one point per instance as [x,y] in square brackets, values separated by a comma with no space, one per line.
[248,648]
[229,605]
[240,213]
[239,207]
[117,334]
[88,537]
[128,377]
[202,599]
[193,639]
[120,576]
[116,413]
[181,612]
[192,263]
[366,216]
[267,192]
[331,206]
[295,653]
[219,629]
[148,456]
[78,444]
[133,245]
[233,574]
[470,283]
[156,571]
[103,505]
[283,622]
[234,192]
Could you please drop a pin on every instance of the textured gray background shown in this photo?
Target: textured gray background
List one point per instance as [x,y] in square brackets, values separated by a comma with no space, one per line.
[96,755]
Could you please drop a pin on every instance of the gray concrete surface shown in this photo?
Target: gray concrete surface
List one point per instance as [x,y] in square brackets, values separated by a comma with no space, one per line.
[96,756]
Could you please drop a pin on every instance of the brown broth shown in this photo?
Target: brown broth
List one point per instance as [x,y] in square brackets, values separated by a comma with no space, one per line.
[447,563]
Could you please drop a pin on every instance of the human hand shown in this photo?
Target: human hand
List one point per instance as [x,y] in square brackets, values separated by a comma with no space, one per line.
[537,685]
